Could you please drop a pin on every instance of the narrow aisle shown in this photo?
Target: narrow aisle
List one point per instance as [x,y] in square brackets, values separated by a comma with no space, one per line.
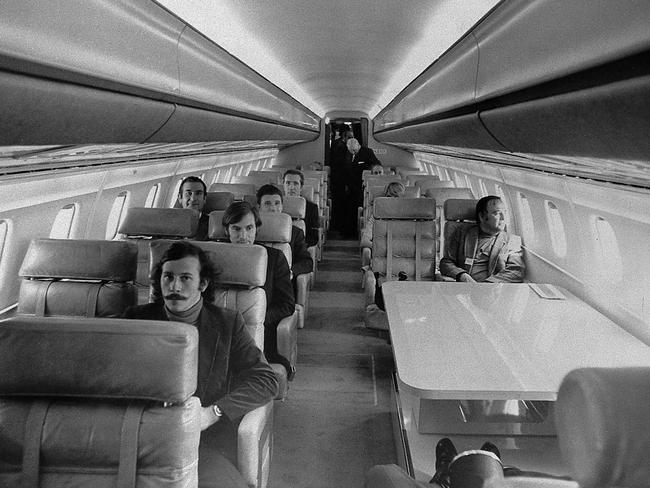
[335,423]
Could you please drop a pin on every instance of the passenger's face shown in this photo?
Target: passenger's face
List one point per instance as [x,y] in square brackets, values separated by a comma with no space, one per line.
[377,170]
[181,283]
[292,185]
[192,195]
[271,203]
[244,231]
[494,219]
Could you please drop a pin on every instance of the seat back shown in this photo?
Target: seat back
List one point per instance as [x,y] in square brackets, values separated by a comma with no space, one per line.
[276,232]
[272,176]
[78,278]
[404,238]
[98,402]
[218,200]
[412,192]
[237,189]
[308,193]
[143,224]
[455,213]
[427,184]
[216,232]
[242,274]
[257,180]
[602,420]
[422,180]
[295,207]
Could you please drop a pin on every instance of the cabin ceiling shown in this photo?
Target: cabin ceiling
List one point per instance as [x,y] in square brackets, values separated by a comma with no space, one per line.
[335,56]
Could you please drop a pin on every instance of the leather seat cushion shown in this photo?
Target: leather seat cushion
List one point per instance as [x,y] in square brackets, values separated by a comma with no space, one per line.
[98,358]
[80,444]
[71,298]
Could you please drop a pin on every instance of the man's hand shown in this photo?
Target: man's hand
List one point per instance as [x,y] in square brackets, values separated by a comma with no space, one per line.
[208,417]
[466,278]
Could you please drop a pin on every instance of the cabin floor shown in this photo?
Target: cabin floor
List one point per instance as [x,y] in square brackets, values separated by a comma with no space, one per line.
[335,423]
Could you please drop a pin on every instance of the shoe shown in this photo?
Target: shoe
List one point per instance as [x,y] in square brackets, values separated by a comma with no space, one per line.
[445,452]
[488,446]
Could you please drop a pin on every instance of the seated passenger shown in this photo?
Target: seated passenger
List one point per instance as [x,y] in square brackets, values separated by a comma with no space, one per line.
[484,252]
[183,285]
[193,193]
[269,199]
[394,189]
[293,181]
[376,169]
[240,222]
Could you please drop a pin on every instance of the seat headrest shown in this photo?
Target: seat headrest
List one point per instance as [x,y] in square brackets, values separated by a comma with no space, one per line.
[218,200]
[238,264]
[160,222]
[252,199]
[404,208]
[308,193]
[381,180]
[411,192]
[276,227]
[216,232]
[294,206]
[80,260]
[602,419]
[98,358]
[237,189]
[442,194]
[460,209]
[425,185]
[421,180]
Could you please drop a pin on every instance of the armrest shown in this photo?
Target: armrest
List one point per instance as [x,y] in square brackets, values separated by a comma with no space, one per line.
[366,255]
[288,338]
[254,443]
[313,252]
[440,277]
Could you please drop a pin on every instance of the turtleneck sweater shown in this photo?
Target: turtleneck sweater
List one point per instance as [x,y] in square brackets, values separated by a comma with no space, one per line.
[189,316]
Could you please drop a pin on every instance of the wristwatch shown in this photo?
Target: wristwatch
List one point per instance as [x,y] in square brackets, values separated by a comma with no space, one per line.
[217,411]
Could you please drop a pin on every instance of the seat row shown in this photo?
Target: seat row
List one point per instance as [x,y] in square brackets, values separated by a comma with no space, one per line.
[70,293]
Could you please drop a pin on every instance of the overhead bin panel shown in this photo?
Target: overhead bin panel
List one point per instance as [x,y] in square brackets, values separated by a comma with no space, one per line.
[115,71]
[465,130]
[210,75]
[446,85]
[524,43]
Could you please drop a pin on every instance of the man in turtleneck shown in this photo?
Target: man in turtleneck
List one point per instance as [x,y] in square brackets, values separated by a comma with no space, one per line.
[193,194]
[183,287]
[484,252]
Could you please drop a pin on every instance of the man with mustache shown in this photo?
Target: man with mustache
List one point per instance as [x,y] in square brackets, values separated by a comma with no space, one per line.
[233,379]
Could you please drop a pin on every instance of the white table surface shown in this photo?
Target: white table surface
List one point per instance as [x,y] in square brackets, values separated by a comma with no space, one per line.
[498,341]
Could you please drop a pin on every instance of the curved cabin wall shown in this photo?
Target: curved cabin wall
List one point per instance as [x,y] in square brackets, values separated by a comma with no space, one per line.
[117,71]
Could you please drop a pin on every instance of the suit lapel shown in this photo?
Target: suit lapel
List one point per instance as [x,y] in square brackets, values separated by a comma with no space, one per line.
[499,243]
[208,349]
[471,241]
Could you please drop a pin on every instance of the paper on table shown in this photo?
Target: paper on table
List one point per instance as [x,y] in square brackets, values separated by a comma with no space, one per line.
[549,292]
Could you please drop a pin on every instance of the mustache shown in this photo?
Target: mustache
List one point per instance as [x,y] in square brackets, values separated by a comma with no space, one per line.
[174,296]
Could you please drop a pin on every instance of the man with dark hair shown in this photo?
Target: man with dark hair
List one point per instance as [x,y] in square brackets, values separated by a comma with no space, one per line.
[485,251]
[293,181]
[240,222]
[234,378]
[193,193]
[269,199]
[358,159]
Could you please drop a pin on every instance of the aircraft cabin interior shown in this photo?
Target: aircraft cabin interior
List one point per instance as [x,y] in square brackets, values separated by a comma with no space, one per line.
[389,345]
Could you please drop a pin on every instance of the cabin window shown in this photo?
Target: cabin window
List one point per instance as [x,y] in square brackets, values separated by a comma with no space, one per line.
[62,226]
[501,194]
[607,248]
[558,237]
[458,181]
[483,191]
[174,197]
[526,218]
[202,177]
[444,172]
[116,215]
[4,231]
[152,197]
[216,177]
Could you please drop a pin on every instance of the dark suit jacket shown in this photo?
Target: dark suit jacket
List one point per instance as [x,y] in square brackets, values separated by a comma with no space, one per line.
[280,301]
[312,223]
[356,164]
[300,257]
[506,263]
[202,232]
[232,370]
